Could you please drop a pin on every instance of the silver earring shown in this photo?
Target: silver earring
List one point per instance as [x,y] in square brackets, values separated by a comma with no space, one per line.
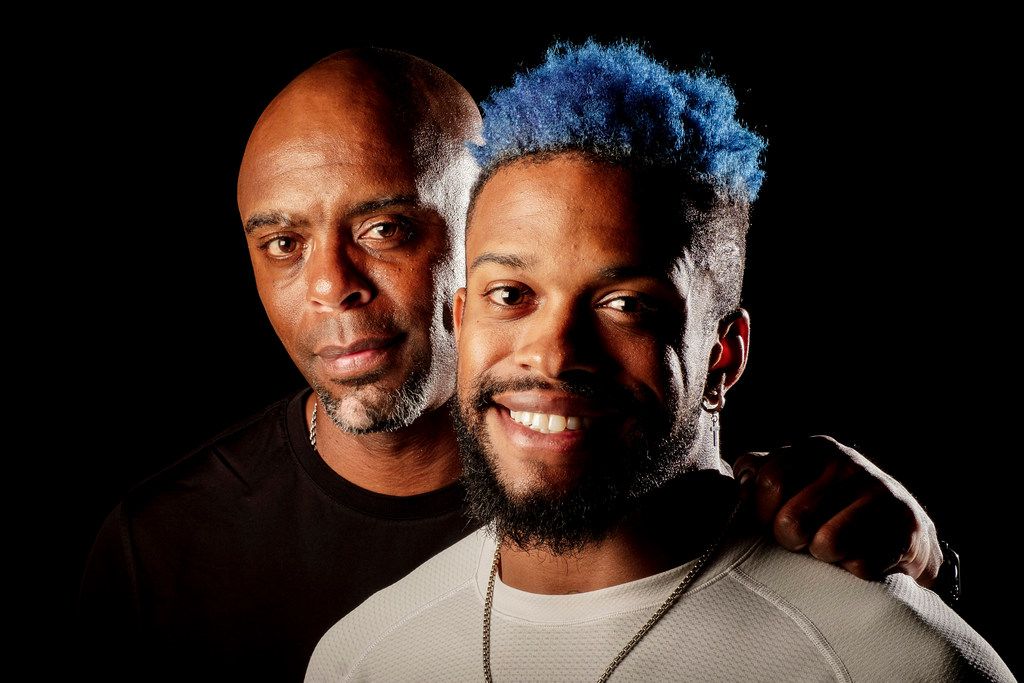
[715,407]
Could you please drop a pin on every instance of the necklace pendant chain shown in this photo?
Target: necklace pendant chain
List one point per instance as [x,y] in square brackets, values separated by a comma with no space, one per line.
[312,426]
[671,600]
[488,609]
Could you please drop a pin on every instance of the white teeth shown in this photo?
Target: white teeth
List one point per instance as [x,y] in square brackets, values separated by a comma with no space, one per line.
[548,424]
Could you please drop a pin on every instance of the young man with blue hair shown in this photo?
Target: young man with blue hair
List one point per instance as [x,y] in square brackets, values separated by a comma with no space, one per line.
[598,335]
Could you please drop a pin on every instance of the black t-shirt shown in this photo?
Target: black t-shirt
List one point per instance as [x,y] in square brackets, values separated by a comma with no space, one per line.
[235,560]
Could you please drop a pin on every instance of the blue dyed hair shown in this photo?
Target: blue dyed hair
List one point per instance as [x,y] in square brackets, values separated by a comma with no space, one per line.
[622,105]
[618,105]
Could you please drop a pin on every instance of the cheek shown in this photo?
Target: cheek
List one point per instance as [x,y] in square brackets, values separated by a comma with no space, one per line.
[482,348]
[282,299]
[472,355]
[655,367]
[410,298]
[421,283]
[675,379]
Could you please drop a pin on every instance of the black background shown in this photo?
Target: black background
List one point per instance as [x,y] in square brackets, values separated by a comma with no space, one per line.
[875,278]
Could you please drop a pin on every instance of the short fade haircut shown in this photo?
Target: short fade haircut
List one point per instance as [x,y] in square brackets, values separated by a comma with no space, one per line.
[615,104]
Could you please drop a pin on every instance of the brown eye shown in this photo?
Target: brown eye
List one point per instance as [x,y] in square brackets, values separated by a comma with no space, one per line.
[637,305]
[279,247]
[506,296]
[384,232]
[626,304]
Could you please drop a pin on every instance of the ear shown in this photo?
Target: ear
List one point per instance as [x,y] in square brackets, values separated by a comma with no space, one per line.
[458,308]
[729,354]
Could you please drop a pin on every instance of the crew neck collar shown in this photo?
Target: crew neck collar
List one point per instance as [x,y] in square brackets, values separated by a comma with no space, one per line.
[443,501]
[643,594]
[646,593]
[538,608]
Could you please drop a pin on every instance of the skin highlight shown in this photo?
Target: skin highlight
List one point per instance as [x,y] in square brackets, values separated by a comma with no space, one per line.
[352,222]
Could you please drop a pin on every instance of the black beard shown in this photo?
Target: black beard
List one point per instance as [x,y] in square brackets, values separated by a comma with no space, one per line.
[617,481]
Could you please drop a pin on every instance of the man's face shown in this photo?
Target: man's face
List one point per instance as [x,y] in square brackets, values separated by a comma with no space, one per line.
[352,262]
[582,350]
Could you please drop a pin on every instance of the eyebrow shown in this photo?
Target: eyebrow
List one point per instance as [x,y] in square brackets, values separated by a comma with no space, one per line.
[627,272]
[261,220]
[372,205]
[508,260]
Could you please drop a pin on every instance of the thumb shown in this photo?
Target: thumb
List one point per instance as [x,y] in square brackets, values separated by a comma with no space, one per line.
[745,470]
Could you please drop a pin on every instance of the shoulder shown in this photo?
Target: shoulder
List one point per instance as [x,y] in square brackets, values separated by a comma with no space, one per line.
[228,465]
[877,630]
[446,577]
[159,517]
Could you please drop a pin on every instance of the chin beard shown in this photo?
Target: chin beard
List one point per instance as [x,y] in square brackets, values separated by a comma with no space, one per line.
[366,405]
[365,408]
[615,484]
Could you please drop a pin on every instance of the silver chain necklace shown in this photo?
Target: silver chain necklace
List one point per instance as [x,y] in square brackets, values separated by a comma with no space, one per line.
[658,614]
[695,570]
[312,427]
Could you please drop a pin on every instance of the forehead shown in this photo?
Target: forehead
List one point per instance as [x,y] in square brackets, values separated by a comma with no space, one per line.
[316,145]
[570,212]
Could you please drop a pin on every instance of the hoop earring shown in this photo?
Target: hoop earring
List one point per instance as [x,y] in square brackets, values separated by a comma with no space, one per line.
[715,407]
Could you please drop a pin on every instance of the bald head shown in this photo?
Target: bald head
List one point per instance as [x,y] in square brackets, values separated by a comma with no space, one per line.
[375,101]
[353,191]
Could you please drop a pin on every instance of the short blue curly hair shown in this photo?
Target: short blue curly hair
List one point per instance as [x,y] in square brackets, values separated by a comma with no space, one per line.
[618,105]
[622,105]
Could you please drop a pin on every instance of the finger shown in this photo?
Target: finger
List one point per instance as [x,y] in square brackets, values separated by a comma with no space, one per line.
[858,569]
[928,557]
[799,518]
[923,560]
[876,531]
[747,465]
[745,471]
[784,471]
[913,563]
[766,489]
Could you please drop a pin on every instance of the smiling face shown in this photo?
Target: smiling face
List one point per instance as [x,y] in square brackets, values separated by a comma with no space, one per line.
[351,242]
[583,349]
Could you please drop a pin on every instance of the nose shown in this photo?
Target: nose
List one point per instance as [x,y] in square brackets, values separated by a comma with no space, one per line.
[558,340]
[336,280]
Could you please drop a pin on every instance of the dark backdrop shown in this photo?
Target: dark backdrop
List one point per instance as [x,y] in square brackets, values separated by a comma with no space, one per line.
[877,302]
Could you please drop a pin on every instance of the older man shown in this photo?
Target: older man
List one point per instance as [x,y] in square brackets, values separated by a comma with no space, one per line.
[352,192]
[599,333]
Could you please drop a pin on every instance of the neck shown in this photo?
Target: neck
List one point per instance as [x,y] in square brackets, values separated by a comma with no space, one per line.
[675,525]
[420,458]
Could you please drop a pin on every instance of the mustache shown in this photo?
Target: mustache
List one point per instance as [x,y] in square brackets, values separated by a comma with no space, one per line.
[591,387]
[345,329]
